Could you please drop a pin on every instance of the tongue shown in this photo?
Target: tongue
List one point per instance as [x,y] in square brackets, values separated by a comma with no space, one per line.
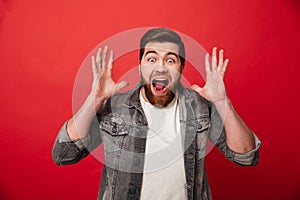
[159,86]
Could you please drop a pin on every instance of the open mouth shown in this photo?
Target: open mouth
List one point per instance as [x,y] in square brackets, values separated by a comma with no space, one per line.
[160,85]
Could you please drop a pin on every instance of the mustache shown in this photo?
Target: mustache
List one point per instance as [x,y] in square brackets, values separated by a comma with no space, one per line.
[160,74]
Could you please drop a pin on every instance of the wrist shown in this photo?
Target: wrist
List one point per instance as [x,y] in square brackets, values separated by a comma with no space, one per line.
[96,101]
[225,100]
[222,105]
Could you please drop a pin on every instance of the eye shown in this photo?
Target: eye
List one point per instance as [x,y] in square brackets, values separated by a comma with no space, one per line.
[152,60]
[170,60]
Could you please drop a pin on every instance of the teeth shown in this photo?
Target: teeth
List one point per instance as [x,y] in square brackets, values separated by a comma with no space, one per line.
[161,81]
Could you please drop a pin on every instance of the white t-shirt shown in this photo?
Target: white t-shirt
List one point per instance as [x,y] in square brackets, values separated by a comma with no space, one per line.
[164,174]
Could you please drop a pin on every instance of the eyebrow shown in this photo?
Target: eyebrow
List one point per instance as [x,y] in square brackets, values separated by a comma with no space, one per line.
[169,53]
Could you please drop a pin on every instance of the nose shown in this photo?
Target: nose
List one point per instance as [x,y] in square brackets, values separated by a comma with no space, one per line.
[160,67]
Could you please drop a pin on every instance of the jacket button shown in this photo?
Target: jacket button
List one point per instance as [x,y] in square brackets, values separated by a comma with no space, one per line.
[190,156]
[132,190]
[188,186]
[199,127]
[114,129]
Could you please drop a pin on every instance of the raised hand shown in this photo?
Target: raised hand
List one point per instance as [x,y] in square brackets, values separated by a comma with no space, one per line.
[214,89]
[103,85]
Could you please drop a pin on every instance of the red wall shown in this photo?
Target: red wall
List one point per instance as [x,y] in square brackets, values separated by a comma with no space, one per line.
[43,43]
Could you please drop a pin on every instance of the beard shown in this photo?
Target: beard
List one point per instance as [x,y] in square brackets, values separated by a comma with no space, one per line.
[159,100]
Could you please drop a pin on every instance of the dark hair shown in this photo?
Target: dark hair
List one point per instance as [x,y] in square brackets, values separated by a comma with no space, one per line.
[162,35]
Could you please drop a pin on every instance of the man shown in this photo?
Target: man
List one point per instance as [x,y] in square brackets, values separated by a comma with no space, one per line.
[155,137]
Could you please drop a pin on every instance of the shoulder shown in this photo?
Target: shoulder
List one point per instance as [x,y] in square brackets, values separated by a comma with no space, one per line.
[194,96]
[197,103]
[119,99]
[122,95]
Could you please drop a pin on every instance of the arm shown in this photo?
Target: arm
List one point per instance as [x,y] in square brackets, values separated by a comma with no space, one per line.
[74,136]
[103,87]
[239,137]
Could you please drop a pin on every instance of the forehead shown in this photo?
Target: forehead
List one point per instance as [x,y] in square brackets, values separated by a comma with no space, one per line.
[162,47]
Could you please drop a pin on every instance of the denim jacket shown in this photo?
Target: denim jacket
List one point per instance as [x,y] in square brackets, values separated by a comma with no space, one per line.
[121,126]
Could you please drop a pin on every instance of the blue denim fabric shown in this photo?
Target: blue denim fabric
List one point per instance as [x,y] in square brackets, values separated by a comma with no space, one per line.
[121,126]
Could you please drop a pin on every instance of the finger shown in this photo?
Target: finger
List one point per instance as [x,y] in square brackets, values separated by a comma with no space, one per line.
[98,58]
[214,59]
[121,85]
[221,58]
[109,66]
[110,60]
[104,53]
[94,66]
[207,65]
[224,67]
[197,88]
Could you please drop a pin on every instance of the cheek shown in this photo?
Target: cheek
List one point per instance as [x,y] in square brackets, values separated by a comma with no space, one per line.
[175,73]
[145,72]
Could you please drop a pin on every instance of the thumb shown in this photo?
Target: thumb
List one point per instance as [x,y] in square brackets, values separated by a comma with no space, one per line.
[197,88]
[121,85]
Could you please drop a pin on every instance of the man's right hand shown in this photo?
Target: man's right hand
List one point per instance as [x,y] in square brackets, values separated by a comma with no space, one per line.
[103,85]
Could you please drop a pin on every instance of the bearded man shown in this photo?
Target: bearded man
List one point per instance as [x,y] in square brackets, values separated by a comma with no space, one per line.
[155,136]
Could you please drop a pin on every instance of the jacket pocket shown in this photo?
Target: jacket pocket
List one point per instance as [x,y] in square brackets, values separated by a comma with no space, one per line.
[203,123]
[113,134]
[113,128]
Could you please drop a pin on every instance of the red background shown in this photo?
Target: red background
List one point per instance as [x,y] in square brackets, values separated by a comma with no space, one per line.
[43,43]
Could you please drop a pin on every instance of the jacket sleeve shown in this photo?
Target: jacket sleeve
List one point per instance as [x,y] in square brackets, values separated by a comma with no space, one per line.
[66,151]
[217,136]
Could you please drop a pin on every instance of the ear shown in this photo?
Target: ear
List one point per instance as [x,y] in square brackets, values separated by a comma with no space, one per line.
[139,67]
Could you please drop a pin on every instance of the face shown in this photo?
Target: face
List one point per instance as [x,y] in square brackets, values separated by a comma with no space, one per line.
[160,71]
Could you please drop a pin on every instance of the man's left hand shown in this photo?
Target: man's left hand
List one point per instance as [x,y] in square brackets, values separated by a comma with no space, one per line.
[214,89]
